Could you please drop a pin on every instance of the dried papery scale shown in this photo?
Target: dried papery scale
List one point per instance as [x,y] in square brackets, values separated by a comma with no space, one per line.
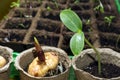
[43,63]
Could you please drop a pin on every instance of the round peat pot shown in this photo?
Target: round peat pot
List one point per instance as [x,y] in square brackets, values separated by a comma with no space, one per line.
[6,52]
[88,57]
[26,57]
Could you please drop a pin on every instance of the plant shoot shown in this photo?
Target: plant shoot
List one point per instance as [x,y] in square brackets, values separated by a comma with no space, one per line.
[72,21]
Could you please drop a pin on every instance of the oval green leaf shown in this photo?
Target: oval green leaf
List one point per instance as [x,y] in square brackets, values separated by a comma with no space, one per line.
[71,20]
[77,43]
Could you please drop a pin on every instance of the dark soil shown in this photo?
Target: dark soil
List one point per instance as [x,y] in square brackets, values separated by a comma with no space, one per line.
[23,14]
[104,27]
[62,1]
[54,6]
[30,5]
[53,15]
[13,39]
[78,7]
[46,39]
[66,42]
[18,24]
[108,70]
[49,26]
[110,40]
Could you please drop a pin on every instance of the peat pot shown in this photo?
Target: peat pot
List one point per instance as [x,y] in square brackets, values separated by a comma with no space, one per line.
[5,52]
[26,57]
[81,62]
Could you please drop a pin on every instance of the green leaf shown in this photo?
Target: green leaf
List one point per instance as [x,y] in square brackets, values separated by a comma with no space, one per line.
[77,43]
[71,20]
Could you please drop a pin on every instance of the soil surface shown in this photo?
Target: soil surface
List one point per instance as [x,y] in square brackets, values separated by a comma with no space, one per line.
[108,70]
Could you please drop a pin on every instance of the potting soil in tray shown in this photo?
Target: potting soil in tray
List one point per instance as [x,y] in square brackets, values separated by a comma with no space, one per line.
[41,19]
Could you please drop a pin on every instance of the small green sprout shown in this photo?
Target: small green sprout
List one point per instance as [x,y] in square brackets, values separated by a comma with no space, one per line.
[5,17]
[76,1]
[109,19]
[100,7]
[15,4]
[56,3]
[49,8]
[72,21]
[87,22]
[39,1]
[21,25]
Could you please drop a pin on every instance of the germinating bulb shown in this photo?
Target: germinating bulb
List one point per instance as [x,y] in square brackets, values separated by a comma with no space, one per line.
[40,69]
[2,61]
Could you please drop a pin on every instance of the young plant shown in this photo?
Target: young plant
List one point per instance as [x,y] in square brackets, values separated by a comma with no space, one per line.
[15,4]
[76,1]
[5,17]
[72,21]
[109,19]
[100,7]
[56,3]
[87,22]
[40,1]
[49,8]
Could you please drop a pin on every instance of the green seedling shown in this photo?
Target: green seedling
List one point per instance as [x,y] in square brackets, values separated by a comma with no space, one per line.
[39,1]
[21,25]
[87,22]
[15,4]
[56,3]
[5,17]
[72,21]
[109,19]
[76,1]
[49,8]
[99,7]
